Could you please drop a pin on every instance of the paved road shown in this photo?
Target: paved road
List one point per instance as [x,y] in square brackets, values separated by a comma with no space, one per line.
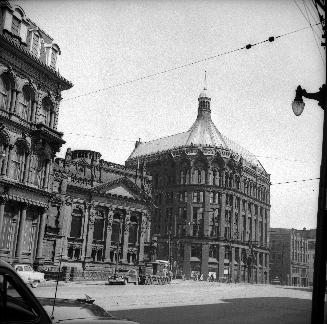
[195,302]
[274,310]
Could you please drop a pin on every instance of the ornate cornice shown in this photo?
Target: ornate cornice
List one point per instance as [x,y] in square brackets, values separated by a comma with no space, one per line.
[8,41]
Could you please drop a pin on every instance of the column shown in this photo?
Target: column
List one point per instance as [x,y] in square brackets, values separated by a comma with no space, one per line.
[222,217]
[221,258]
[27,168]
[85,224]
[2,211]
[240,229]
[268,267]
[65,214]
[257,227]
[187,260]
[142,236]
[90,230]
[231,266]
[232,219]
[206,212]
[108,236]
[253,223]
[189,207]
[39,249]
[46,175]
[205,260]
[268,226]
[246,229]
[20,238]
[126,235]
[33,111]
[239,265]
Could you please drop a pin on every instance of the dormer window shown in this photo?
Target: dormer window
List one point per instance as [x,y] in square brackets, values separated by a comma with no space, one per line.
[35,44]
[53,59]
[15,26]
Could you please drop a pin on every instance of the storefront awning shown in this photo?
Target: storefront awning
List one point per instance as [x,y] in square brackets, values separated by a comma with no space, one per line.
[212,260]
[195,259]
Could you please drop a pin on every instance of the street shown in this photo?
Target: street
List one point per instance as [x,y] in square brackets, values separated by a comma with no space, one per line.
[195,302]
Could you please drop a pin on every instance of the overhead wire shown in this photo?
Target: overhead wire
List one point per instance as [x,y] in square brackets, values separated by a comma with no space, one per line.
[228,52]
[313,31]
[293,181]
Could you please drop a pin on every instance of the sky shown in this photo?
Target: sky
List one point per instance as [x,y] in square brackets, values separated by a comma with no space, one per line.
[106,43]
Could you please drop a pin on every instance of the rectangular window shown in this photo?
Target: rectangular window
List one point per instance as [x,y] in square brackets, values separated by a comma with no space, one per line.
[201,196]
[211,197]
[98,229]
[195,196]
[185,196]
[76,226]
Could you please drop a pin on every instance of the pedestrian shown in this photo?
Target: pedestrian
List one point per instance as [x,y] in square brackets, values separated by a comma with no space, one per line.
[201,277]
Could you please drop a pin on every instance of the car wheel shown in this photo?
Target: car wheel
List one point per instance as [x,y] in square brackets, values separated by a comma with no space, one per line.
[34,284]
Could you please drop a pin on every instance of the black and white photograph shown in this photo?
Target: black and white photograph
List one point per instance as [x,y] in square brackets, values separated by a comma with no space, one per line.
[163,162]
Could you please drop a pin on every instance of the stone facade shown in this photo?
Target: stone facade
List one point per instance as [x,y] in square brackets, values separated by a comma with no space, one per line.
[289,256]
[98,213]
[30,93]
[212,202]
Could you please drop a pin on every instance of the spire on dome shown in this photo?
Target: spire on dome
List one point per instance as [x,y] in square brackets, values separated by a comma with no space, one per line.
[204,93]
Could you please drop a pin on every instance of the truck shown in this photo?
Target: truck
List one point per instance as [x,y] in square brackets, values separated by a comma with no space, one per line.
[26,272]
[155,273]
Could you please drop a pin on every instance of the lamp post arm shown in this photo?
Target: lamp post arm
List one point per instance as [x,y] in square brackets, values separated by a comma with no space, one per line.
[320,96]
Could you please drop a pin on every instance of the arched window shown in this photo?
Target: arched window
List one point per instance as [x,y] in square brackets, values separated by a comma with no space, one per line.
[37,169]
[76,223]
[4,93]
[16,22]
[47,112]
[3,150]
[24,106]
[18,158]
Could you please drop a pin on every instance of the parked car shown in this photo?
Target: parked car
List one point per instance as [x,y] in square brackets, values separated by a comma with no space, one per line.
[123,277]
[29,276]
[275,281]
[19,305]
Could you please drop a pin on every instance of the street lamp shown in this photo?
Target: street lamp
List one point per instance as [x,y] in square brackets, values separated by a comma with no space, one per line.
[319,275]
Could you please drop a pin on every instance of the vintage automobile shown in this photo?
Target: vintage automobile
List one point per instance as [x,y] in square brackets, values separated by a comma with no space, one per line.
[19,305]
[123,277]
[26,272]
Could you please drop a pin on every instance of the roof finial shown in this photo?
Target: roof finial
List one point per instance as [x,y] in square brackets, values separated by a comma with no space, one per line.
[205,80]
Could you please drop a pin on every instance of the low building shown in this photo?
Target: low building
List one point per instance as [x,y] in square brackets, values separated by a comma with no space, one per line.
[289,257]
[98,217]
[310,235]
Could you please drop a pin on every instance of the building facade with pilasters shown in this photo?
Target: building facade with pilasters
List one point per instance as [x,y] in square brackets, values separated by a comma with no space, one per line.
[99,216]
[212,202]
[30,94]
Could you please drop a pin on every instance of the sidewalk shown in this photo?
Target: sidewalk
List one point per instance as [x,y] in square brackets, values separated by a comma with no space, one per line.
[52,283]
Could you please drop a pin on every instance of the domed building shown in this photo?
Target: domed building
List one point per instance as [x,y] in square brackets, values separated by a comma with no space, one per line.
[212,210]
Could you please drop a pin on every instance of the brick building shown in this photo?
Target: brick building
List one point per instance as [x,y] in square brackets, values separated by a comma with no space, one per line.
[30,93]
[289,257]
[212,199]
[97,213]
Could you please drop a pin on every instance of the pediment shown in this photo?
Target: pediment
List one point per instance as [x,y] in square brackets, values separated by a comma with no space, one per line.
[122,187]
[120,190]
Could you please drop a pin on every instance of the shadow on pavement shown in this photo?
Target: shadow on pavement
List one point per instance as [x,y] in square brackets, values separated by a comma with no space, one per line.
[267,310]
[307,289]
